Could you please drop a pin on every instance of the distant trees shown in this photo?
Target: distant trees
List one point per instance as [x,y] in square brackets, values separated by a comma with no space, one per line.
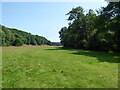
[56,44]
[93,31]
[14,37]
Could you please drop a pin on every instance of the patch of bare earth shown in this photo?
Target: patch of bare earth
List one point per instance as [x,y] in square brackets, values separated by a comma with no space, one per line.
[31,46]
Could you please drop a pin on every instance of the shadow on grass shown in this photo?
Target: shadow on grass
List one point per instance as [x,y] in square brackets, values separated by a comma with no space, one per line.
[101,56]
[62,48]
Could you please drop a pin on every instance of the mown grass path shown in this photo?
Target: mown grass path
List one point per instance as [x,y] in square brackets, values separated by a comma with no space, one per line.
[56,67]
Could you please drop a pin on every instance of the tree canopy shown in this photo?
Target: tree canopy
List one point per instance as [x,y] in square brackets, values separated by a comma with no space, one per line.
[93,31]
[14,37]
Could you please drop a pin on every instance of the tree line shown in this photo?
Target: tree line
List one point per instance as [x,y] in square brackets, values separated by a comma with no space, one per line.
[14,37]
[91,30]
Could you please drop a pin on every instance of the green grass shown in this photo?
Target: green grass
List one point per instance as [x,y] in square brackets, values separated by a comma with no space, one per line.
[0,68]
[32,45]
[56,67]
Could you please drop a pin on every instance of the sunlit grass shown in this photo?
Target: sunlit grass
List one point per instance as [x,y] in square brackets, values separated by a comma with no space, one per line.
[0,68]
[51,67]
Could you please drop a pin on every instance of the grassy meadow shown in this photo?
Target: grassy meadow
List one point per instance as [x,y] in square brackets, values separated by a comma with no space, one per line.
[57,67]
[0,68]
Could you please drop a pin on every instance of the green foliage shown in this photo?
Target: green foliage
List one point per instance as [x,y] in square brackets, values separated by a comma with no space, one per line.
[14,37]
[52,67]
[55,44]
[91,31]
[18,42]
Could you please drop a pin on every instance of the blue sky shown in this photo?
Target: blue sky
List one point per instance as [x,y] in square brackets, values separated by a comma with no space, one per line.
[41,18]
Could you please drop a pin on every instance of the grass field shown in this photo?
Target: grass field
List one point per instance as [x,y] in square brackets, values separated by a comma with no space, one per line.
[0,68]
[56,67]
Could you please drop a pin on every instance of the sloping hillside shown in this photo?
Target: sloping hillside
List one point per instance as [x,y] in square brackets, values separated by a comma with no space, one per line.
[15,37]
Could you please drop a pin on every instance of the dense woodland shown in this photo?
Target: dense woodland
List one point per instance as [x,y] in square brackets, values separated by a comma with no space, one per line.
[14,37]
[98,30]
